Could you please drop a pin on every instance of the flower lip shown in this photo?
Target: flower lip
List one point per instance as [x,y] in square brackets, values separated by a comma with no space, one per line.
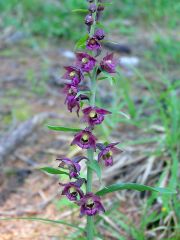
[72,191]
[94,115]
[90,204]
[85,139]
[74,74]
[106,153]
[85,61]
[93,44]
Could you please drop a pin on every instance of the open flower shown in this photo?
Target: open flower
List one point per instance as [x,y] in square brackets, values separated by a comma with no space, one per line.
[72,102]
[85,140]
[106,153]
[94,115]
[73,166]
[93,44]
[108,64]
[72,191]
[74,74]
[90,205]
[85,61]
[71,89]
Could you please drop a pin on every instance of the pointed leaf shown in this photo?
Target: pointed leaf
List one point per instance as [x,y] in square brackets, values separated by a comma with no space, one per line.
[64,129]
[44,220]
[53,170]
[94,165]
[82,42]
[83,93]
[80,10]
[133,186]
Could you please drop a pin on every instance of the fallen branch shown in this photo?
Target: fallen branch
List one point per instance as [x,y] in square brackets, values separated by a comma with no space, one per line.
[9,143]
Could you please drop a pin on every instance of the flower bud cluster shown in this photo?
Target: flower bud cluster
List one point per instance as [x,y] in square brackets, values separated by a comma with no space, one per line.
[86,65]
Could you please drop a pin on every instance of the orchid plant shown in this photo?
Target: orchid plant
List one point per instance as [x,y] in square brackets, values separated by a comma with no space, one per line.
[80,89]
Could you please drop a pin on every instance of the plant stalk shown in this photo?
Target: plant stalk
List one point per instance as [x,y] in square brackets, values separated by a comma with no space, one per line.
[90,153]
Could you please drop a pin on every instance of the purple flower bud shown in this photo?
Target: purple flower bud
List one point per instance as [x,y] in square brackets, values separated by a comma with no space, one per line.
[99,34]
[90,205]
[85,61]
[106,153]
[93,44]
[89,20]
[94,115]
[85,139]
[72,191]
[92,8]
[74,74]
[100,8]
[108,64]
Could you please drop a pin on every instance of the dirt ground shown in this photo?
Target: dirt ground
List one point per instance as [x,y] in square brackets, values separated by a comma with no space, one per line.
[25,190]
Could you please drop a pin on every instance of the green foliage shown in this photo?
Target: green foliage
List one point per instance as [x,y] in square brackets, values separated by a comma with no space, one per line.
[132,186]
[53,171]
[64,129]
[94,165]
[45,220]
[64,18]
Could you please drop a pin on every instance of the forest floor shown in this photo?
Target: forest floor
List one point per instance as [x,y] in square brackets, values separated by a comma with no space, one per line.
[30,83]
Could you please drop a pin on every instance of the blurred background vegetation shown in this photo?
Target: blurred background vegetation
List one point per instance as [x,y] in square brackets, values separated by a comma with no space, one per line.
[55,18]
[149,95]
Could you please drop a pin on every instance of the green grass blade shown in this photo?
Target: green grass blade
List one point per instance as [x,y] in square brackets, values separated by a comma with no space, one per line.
[52,170]
[44,220]
[133,186]
[64,129]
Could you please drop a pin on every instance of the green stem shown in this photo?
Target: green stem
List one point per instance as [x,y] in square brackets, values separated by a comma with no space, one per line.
[90,153]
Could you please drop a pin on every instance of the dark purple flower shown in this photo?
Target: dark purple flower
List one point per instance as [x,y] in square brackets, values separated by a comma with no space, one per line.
[93,44]
[99,34]
[85,139]
[72,102]
[74,74]
[92,7]
[106,153]
[108,64]
[71,89]
[90,205]
[94,115]
[85,61]
[72,165]
[72,191]
[89,20]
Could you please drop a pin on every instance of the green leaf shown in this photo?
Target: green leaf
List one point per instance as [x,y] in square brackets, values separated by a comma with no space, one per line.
[52,170]
[44,220]
[80,10]
[133,186]
[83,92]
[94,165]
[64,129]
[82,42]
